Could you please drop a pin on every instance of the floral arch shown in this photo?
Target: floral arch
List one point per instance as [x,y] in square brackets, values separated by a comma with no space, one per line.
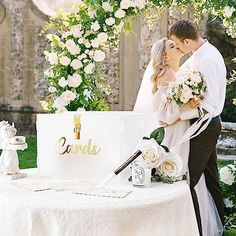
[81,38]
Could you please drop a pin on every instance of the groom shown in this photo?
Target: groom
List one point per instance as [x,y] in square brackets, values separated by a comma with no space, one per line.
[206,59]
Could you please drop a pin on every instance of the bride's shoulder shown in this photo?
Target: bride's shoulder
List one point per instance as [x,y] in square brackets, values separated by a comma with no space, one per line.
[166,77]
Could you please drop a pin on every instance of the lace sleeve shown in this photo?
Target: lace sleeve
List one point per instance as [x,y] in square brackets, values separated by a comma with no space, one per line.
[167,111]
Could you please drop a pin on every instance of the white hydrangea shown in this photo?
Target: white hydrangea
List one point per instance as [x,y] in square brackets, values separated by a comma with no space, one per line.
[227,174]
[120,13]
[107,6]
[95,26]
[65,61]
[76,64]
[99,56]
[72,47]
[74,81]
[228,11]
[95,43]
[68,96]
[102,37]
[52,58]
[89,68]
[62,82]
[76,31]
[110,21]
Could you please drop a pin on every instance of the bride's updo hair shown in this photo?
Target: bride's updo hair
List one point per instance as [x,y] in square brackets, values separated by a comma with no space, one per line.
[158,64]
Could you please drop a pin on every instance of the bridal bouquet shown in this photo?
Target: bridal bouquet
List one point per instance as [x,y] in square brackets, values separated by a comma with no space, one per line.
[192,86]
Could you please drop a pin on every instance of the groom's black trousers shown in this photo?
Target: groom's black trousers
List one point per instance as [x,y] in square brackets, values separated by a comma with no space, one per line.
[203,159]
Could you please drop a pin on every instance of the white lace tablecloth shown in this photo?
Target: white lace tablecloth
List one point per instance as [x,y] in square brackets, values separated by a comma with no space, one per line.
[161,209]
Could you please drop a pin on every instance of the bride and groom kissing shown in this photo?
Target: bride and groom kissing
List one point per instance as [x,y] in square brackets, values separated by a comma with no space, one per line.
[194,138]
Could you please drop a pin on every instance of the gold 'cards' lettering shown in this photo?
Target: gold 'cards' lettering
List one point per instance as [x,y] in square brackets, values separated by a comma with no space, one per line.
[88,149]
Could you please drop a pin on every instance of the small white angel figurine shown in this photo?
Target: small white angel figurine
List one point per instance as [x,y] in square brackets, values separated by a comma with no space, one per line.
[9,163]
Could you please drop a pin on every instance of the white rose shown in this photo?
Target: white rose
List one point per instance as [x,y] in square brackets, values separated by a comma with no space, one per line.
[76,31]
[102,37]
[52,89]
[171,165]
[92,13]
[95,43]
[61,110]
[88,45]
[95,26]
[49,73]
[72,47]
[99,56]
[183,98]
[85,61]
[152,152]
[87,93]
[140,3]
[229,11]
[125,4]
[91,53]
[227,174]
[63,82]
[76,64]
[68,96]
[60,102]
[89,68]
[65,61]
[81,40]
[83,55]
[74,81]
[120,13]
[110,21]
[107,7]
[52,58]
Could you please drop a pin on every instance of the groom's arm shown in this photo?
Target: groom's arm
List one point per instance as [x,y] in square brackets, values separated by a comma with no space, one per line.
[213,76]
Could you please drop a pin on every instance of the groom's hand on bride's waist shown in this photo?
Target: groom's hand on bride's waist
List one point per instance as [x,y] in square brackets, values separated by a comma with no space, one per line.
[163,124]
[194,103]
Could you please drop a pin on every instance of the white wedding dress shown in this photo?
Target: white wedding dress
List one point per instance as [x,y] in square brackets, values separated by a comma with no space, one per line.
[169,112]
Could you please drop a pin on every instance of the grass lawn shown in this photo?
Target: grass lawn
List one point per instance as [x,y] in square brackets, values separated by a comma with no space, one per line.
[28,157]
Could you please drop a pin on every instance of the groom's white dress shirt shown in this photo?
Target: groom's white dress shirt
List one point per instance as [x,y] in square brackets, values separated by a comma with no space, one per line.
[208,60]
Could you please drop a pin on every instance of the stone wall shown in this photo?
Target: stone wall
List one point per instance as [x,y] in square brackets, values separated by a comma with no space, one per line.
[22,61]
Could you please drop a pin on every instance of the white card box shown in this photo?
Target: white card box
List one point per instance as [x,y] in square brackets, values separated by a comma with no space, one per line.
[115,134]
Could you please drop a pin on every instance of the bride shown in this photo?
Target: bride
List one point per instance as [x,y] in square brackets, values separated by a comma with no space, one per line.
[162,70]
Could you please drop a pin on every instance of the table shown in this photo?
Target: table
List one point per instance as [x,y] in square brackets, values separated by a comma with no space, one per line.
[162,209]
